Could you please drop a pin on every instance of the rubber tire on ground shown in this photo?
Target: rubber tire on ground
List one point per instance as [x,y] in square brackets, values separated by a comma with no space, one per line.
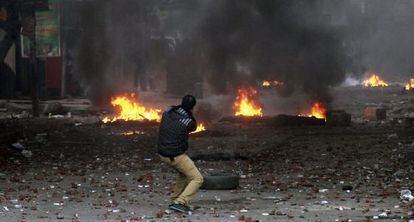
[221,182]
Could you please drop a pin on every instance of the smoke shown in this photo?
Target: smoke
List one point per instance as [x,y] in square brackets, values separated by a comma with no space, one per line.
[377,36]
[249,41]
[231,43]
[307,44]
[111,47]
[92,52]
[381,38]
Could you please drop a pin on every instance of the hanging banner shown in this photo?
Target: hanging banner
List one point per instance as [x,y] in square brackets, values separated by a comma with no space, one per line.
[47,33]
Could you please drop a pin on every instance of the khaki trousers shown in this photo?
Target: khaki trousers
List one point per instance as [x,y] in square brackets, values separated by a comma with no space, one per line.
[188,181]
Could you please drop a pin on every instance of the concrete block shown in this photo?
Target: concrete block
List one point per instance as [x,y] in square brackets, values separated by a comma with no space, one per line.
[338,118]
[375,114]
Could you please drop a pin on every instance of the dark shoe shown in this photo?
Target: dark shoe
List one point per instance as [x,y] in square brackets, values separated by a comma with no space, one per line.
[180,208]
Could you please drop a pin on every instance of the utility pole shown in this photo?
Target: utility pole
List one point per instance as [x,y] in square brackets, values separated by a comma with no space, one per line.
[28,13]
[23,14]
[33,69]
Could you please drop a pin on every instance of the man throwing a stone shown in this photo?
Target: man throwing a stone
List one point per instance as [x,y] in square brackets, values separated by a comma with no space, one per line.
[176,123]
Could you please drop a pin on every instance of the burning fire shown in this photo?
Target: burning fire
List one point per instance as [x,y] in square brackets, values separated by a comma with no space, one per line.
[246,103]
[200,128]
[410,85]
[131,110]
[318,110]
[269,83]
[266,83]
[130,133]
[374,81]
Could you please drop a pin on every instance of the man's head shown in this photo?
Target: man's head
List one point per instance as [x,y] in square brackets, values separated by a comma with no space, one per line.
[188,102]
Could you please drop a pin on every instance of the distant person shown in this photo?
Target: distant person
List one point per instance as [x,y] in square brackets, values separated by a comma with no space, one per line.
[176,123]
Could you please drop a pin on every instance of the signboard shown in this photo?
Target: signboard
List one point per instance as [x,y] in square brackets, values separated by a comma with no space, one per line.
[47,33]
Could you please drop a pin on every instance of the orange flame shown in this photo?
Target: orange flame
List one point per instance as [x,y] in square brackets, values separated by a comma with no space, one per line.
[246,103]
[410,85]
[374,81]
[200,128]
[130,133]
[268,83]
[318,110]
[131,110]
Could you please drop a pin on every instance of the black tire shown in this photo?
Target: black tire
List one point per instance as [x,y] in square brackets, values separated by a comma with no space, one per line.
[221,182]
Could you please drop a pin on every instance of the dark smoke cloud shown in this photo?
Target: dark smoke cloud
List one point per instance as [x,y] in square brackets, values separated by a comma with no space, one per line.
[247,41]
[93,51]
[386,45]
[231,42]
[111,45]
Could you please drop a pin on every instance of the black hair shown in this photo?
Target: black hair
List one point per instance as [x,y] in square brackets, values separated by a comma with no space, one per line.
[188,102]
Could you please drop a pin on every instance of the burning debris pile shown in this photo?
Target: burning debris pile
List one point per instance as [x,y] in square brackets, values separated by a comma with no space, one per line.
[410,85]
[374,81]
[316,116]
[247,103]
[272,83]
[318,110]
[129,109]
[200,128]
